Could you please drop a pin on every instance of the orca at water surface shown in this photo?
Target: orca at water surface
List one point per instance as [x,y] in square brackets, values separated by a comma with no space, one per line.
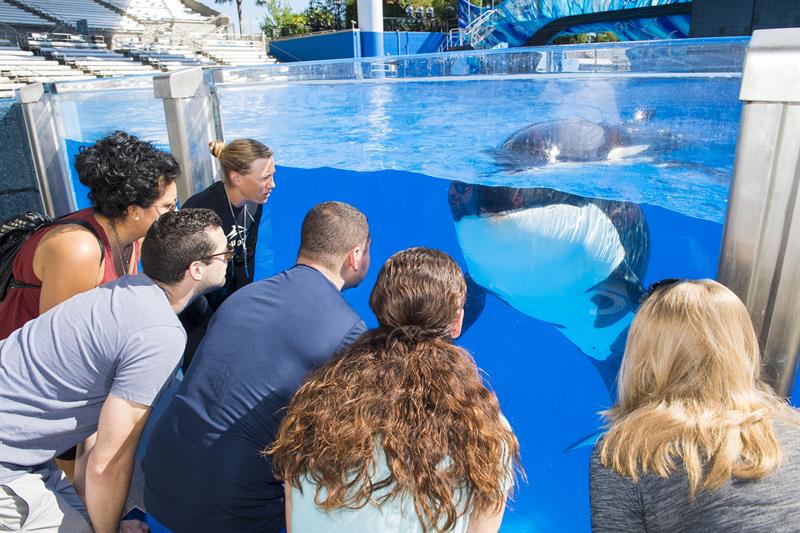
[583,141]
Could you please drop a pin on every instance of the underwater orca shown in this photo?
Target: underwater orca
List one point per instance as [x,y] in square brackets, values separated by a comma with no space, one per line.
[571,261]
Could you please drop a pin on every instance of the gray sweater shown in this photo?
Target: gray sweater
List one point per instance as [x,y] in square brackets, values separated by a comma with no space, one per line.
[662,505]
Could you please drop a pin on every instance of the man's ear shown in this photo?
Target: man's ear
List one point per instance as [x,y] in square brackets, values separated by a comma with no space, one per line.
[195,270]
[354,258]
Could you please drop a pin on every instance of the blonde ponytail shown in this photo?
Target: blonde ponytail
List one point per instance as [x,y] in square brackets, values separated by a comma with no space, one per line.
[238,155]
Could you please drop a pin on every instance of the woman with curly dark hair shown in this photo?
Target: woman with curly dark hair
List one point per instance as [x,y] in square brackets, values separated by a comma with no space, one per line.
[131,183]
[398,432]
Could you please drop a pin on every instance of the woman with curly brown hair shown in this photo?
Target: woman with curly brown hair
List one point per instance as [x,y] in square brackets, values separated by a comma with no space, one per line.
[398,432]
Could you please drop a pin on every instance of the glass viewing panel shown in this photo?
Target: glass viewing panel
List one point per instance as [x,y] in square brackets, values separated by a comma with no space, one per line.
[91,109]
[563,180]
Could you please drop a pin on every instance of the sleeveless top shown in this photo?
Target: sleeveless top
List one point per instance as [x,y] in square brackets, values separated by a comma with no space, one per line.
[22,304]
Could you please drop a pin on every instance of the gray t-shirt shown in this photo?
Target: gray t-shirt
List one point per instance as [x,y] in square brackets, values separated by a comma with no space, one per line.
[56,371]
[655,504]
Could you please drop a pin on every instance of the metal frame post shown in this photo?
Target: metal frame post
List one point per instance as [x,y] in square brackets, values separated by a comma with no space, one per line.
[45,137]
[193,119]
[760,258]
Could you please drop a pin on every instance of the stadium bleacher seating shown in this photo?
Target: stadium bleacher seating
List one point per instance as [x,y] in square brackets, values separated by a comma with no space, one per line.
[96,15]
[10,14]
[42,44]
[235,52]
[158,11]
[165,55]
[89,58]
[19,67]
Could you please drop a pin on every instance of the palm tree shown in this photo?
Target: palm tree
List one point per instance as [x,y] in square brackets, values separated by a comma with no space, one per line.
[238,10]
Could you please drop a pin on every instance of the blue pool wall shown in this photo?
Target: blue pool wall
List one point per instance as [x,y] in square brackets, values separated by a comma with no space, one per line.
[346,45]
[516,21]
[411,42]
[336,45]
[19,189]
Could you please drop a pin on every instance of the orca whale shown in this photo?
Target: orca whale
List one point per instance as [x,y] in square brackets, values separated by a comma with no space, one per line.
[571,261]
[582,141]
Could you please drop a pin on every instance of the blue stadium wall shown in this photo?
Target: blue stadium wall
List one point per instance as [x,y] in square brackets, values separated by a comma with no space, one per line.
[345,44]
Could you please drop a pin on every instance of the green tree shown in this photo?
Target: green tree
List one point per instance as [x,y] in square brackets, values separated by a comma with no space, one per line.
[607,37]
[585,38]
[445,12]
[325,15]
[280,20]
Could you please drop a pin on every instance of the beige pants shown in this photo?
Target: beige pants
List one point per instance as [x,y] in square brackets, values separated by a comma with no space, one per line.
[42,501]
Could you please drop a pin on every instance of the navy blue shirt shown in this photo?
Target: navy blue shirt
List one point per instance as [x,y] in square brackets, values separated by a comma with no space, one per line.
[204,469]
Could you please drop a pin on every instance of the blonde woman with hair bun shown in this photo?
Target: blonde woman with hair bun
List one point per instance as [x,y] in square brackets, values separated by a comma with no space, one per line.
[248,178]
[696,441]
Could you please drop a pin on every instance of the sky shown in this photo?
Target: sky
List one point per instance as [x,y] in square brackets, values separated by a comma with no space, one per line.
[251,15]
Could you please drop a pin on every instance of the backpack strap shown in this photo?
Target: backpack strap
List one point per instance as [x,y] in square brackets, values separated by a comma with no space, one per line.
[16,284]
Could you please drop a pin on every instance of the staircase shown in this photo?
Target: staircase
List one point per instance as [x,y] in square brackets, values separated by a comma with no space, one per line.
[475,35]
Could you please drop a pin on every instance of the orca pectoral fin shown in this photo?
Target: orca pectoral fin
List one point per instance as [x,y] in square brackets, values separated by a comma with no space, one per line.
[622,152]
[476,301]
[608,368]
[588,440]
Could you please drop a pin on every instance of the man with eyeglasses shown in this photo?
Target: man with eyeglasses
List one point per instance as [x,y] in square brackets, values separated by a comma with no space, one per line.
[95,364]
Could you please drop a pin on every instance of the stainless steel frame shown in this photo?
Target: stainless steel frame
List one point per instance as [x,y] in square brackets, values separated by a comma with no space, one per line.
[760,258]
[45,136]
[193,120]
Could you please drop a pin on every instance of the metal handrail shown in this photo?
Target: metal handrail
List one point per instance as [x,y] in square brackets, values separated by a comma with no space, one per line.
[473,30]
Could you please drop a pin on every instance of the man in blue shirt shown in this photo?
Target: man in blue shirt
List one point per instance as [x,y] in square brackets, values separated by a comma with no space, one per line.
[204,468]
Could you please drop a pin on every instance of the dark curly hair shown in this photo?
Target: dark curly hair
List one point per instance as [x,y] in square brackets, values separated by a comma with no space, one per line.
[405,386]
[121,170]
[176,239]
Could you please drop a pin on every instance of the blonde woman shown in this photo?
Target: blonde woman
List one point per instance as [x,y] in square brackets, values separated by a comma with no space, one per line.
[398,432]
[697,441]
[248,179]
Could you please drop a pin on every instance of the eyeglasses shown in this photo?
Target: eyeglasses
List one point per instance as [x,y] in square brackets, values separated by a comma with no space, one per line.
[227,255]
[662,284]
[167,208]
